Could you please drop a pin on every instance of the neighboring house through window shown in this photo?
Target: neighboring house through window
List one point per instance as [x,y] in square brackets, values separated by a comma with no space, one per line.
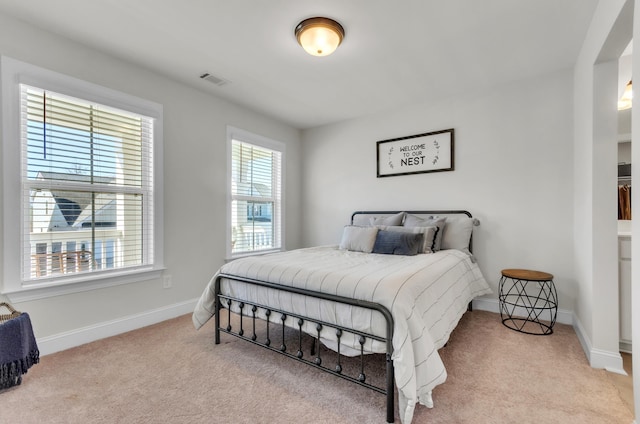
[87,200]
[255,201]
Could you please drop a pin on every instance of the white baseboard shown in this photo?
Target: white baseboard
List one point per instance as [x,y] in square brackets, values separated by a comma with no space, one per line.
[585,342]
[626,346]
[80,336]
[598,358]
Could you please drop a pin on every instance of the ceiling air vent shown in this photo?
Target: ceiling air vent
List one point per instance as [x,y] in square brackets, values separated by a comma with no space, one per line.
[214,79]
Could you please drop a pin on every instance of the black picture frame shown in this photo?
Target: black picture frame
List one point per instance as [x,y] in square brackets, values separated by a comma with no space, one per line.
[416,154]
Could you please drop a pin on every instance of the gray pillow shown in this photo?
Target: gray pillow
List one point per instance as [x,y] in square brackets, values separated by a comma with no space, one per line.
[397,243]
[358,239]
[457,234]
[429,238]
[415,221]
[395,219]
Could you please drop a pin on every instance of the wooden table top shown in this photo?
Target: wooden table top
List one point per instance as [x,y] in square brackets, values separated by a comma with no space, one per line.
[527,274]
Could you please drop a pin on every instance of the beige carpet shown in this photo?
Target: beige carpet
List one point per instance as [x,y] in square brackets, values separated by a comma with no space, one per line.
[170,373]
[624,383]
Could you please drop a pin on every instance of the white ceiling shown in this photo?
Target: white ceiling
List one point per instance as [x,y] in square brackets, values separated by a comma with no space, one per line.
[394,53]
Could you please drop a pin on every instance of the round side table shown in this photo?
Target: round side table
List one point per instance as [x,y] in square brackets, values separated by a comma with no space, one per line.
[528,301]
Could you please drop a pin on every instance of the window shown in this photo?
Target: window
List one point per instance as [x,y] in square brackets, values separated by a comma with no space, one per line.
[86,203]
[87,182]
[256,194]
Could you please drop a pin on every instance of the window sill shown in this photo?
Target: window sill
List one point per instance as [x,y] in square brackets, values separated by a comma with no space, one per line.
[79,284]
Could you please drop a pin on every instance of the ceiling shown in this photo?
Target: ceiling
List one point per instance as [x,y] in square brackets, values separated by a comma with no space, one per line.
[394,53]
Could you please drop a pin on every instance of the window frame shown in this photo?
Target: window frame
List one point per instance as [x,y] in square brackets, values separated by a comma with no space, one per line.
[238,134]
[12,74]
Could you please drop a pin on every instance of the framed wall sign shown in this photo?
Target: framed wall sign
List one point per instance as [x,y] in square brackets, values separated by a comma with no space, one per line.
[415,154]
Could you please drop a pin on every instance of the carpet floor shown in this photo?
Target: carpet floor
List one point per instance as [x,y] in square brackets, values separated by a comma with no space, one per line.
[171,373]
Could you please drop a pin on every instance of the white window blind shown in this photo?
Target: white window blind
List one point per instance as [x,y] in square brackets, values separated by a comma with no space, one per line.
[87,186]
[256,192]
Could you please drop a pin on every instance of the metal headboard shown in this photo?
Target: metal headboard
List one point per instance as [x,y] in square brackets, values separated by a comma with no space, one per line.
[424,213]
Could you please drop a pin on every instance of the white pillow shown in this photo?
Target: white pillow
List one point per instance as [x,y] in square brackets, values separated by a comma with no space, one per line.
[358,239]
[429,235]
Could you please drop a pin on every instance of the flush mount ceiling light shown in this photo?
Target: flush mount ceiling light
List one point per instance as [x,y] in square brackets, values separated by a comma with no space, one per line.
[625,101]
[319,36]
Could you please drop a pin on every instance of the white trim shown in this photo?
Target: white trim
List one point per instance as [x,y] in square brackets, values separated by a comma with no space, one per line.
[251,138]
[80,336]
[109,280]
[12,73]
[611,361]
[238,134]
[25,73]
[585,342]
[626,346]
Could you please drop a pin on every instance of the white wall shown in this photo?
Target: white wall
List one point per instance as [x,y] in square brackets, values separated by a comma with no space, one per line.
[194,191]
[513,171]
[635,231]
[595,146]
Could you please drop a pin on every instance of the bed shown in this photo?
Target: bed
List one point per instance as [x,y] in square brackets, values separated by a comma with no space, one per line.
[397,285]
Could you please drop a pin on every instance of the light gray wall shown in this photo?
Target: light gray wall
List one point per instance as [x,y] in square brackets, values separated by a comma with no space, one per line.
[595,146]
[195,126]
[513,171]
[635,241]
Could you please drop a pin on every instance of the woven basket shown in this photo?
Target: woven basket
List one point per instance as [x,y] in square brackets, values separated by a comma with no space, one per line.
[12,313]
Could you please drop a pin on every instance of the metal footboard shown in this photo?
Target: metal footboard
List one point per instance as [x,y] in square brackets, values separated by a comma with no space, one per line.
[248,311]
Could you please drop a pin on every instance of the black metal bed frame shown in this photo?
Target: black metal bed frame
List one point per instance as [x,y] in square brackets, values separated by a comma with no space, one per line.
[225,301]
[319,325]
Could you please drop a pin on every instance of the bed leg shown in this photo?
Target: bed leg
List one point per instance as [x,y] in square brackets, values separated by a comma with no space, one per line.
[217,321]
[470,306]
[216,314]
[313,347]
[390,394]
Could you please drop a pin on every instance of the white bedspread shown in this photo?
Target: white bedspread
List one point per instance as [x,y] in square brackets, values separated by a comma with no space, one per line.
[426,294]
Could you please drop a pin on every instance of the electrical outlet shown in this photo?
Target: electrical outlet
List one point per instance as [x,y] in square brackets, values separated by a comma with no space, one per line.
[166,282]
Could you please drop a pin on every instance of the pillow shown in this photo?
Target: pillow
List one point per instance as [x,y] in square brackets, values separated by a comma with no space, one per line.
[415,221]
[458,233]
[388,220]
[397,243]
[429,237]
[358,239]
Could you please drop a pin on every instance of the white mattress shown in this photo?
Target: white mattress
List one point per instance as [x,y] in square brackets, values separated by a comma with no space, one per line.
[426,294]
